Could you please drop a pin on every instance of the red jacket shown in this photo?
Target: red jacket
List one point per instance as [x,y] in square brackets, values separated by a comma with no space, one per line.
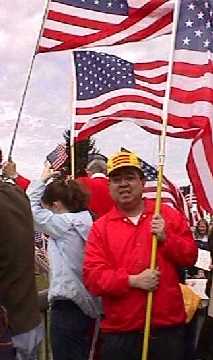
[117,248]
[100,201]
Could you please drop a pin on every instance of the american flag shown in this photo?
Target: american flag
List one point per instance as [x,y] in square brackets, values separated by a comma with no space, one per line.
[57,157]
[189,195]
[40,239]
[170,195]
[192,88]
[111,89]
[195,211]
[73,24]
[41,256]
[41,260]
[136,93]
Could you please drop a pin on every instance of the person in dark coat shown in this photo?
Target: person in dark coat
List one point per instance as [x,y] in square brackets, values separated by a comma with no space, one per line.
[17,280]
[6,346]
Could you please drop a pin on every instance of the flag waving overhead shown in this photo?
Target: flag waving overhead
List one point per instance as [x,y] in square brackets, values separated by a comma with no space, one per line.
[107,86]
[73,24]
[111,89]
[192,89]
[135,91]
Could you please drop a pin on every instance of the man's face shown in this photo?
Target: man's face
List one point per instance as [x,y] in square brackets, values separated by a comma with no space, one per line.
[126,187]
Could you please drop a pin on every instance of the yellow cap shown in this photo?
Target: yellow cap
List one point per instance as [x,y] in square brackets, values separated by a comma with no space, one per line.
[123,159]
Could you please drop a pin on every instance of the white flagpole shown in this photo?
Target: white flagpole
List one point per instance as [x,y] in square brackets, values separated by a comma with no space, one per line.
[28,80]
[73,115]
[168,83]
[160,174]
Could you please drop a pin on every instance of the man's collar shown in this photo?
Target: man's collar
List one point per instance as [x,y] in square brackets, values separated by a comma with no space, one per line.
[98,175]
[116,213]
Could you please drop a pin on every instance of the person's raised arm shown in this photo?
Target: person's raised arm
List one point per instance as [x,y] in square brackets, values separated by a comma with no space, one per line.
[45,220]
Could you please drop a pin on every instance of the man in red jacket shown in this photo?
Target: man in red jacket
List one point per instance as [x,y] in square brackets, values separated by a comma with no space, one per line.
[97,185]
[117,262]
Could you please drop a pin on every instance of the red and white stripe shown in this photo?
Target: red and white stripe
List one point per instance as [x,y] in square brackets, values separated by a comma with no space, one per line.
[170,195]
[41,260]
[60,156]
[70,27]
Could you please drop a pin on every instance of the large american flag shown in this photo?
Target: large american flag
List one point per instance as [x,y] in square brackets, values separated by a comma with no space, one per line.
[73,24]
[110,89]
[192,88]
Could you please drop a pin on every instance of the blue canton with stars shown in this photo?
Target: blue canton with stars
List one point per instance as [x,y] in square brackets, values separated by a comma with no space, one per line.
[116,7]
[150,173]
[195,25]
[99,73]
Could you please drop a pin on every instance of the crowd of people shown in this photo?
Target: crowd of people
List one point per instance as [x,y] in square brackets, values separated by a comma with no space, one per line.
[99,231]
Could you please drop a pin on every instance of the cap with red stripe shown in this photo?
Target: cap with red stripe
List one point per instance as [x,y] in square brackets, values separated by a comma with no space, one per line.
[123,159]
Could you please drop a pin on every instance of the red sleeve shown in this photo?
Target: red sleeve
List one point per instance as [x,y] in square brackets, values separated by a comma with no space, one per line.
[99,276]
[179,245]
[22,182]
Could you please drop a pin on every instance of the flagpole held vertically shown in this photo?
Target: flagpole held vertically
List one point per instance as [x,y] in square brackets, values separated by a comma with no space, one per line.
[161,162]
[28,81]
[73,115]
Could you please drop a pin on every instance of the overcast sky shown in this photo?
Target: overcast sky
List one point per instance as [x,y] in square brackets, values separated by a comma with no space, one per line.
[47,107]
